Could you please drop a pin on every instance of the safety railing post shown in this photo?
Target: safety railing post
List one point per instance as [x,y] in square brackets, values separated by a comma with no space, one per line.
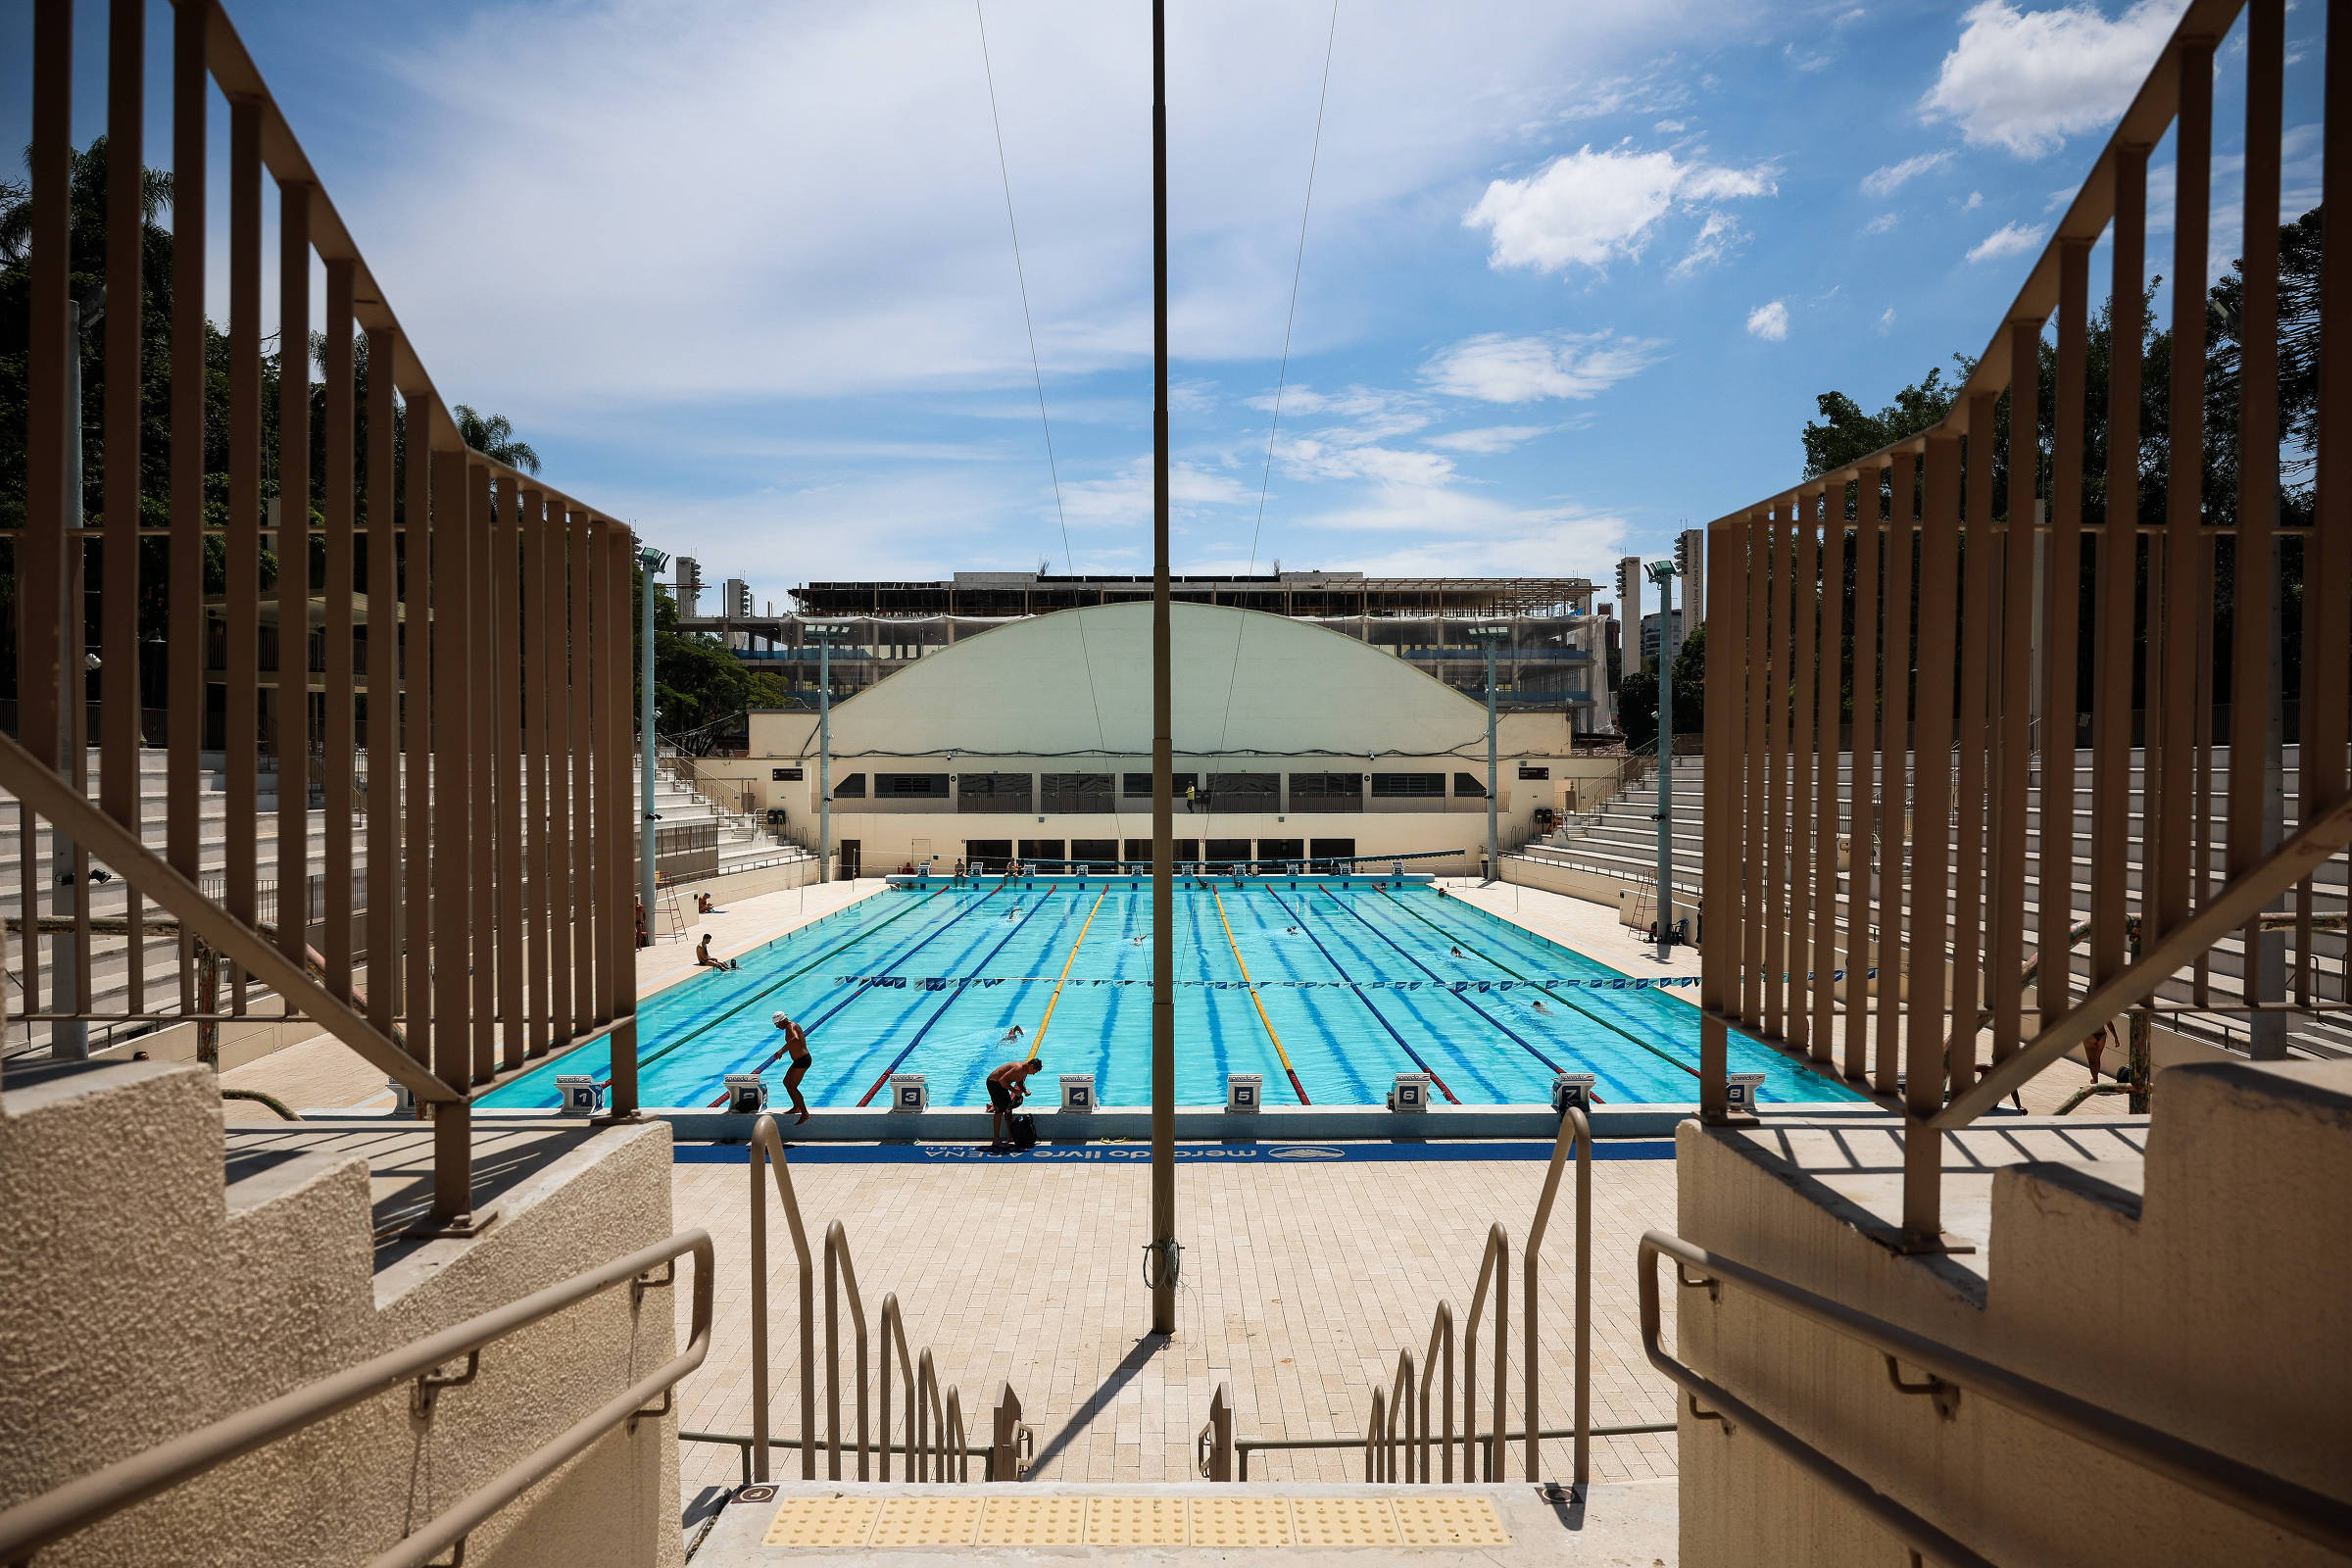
[1575,1131]
[767,1149]
[1216,1437]
[841,1272]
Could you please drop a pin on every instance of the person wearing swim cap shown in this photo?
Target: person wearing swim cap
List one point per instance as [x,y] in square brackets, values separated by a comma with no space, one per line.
[796,1045]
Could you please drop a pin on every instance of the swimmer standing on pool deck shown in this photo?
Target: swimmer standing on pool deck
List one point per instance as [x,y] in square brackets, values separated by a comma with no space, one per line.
[796,1045]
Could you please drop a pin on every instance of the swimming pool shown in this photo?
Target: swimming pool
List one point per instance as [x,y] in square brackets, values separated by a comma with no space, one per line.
[1350,981]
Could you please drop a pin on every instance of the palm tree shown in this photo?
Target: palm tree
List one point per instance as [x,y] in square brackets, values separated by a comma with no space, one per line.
[494,438]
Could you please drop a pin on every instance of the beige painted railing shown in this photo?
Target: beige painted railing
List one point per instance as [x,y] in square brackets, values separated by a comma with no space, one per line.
[56,1514]
[935,1443]
[1953,1378]
[475,623]
[1963,525]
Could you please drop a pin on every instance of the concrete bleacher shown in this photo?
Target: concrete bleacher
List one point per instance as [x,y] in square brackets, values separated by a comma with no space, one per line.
[1619,843]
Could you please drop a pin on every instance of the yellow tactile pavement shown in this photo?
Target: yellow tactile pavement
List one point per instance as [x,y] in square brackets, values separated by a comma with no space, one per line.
[1445,1520]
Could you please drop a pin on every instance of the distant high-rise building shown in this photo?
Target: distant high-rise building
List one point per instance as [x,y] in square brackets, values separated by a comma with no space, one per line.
[1649,633]
[689,585]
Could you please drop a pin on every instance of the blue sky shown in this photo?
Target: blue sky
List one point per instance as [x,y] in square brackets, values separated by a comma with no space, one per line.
[1572,274]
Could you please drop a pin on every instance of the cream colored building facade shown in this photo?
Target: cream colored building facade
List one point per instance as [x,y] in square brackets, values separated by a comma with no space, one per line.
[1035,740]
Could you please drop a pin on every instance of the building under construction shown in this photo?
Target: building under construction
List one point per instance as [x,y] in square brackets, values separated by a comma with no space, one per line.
[1552,660]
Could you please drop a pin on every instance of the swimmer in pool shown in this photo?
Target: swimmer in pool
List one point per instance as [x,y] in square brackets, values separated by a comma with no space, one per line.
[796,1045]
[1011,1035]
[1539,1008]
[1457,952]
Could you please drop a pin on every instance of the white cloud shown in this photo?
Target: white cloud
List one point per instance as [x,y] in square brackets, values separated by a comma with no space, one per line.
[1493,367]
[1892,177]
[2026,80]
[1124,500]
[1769,322]
[1586,208]
[2060,198]
[1887,321]
[2010,239]
[1976,199]
[1489,439]
[1669,128]
[1880,223]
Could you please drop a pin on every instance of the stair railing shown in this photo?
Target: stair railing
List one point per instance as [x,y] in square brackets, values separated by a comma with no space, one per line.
[935,1438]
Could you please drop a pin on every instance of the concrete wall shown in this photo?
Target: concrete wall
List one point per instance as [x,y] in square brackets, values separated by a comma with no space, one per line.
[146,1298]
[2201,1290]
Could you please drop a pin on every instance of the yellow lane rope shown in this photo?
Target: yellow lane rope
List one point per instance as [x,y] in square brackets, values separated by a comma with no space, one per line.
[1044,1023]
[1295,1087]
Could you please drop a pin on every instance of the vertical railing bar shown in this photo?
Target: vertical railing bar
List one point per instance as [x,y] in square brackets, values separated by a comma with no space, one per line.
[1979,551]
[581,910]
[1804,633]
[422,811]
[337,739]
[538,911]
[1724,936]
[556,592]
[1779,647]
[1756,775]
[453,806]
[1931,860]
[184,681]
[2111,756]
[118,613]
[2253,743]
[293,739]
[384,759]
[2200,853]
[1861,809]
[1828,669]
[2062,618]
[2172,771]
[1899,772]
[2021,557]
[241,600]
[2328,552]
[482,668]
[615,686]
[505,622]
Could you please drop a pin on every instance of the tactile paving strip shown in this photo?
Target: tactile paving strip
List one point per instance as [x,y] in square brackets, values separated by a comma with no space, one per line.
[927,1522]
[1450,1522]
[1136,1522]
[1035,1521]
[1344,1522]
[1241,1522]
[823,1521]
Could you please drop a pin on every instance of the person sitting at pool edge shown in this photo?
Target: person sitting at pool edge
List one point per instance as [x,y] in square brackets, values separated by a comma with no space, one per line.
[1007,1088]
[796,1045]
[702,958]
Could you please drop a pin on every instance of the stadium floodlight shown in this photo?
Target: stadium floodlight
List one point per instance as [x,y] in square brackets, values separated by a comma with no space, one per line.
[825,634]
[1490,637]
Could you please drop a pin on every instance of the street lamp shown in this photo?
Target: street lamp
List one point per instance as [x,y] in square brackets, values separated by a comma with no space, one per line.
[826,634]
[1663,573]
[650,560]
[1492,638]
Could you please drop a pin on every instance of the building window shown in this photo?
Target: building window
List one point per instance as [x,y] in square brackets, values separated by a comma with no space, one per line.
[1327,792]
[1099,855]
[1245,792]
[992,791]
[1525,771]
[911,786]
[851,788]
[785,775]
[1138,786]
[1139,850]
[1417,786]
[1075,792]
[1469,786]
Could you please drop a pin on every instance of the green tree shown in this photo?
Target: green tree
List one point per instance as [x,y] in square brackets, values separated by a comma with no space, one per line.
[493,436]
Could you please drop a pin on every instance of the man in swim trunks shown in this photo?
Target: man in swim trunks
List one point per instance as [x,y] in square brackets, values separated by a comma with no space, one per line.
[1007,1088]
[702,958]
[796,1045]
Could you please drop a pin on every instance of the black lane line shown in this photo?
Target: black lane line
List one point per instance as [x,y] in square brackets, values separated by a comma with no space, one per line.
[1455,936]
[1363,998]
[1458,995]
[956,995]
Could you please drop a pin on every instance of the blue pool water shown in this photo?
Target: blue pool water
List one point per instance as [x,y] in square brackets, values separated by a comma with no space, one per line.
[1358,979]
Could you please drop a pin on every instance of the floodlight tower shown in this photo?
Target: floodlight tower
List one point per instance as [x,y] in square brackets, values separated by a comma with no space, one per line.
[1491,638]
[826,634]
[1663,573]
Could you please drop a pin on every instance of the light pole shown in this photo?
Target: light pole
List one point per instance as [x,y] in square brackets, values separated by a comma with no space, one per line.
[1662,573]
[1490,637]
[824,633]
[649,561]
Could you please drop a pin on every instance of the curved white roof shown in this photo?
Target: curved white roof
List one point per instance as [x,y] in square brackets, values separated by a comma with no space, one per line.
[1079,680]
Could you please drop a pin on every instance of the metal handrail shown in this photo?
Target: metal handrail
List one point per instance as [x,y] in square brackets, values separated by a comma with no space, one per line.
[1244,1447]
[1952,1376]
[1494,1274]
[60,1512]
[934,1425]
[1576,1130]
[1214,1446]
